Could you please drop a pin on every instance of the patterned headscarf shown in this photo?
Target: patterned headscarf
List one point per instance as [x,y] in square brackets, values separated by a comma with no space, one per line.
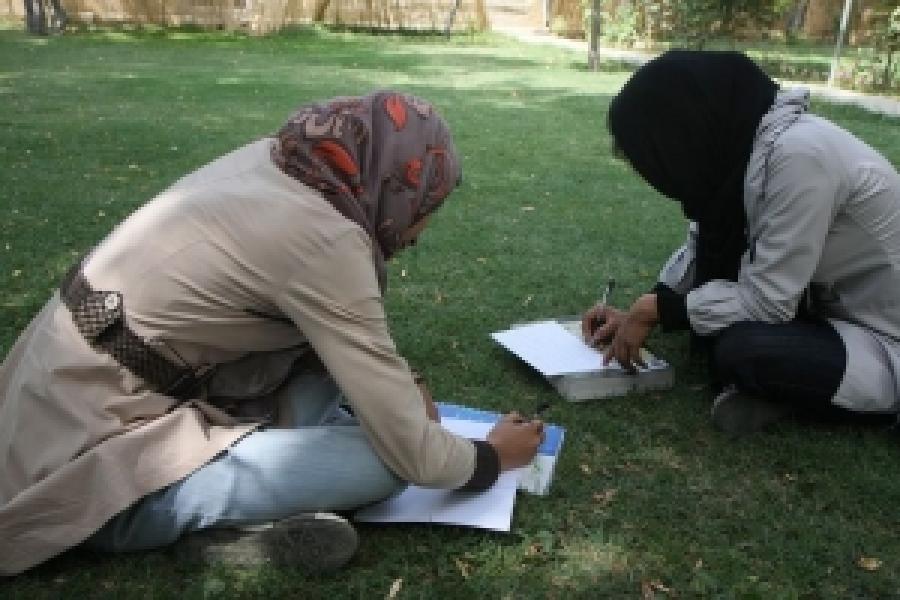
[384,161]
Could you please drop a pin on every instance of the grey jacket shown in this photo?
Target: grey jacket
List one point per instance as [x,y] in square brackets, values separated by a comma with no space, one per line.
[823,212]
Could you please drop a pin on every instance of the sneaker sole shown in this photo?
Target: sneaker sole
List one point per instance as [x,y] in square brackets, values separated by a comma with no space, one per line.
[738,414]
[315,542]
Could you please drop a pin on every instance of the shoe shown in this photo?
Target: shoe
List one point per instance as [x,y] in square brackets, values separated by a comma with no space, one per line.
[737,413]
[315,542]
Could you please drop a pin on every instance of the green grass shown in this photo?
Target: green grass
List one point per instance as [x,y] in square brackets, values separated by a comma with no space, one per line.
[646,493]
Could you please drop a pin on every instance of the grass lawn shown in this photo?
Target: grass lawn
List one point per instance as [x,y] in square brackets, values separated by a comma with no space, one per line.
[648,498]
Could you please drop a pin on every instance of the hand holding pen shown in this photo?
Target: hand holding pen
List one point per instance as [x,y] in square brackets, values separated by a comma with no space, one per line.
[598,325]
[517,439]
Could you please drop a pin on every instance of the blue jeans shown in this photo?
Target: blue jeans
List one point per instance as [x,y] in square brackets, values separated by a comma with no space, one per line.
[323,463]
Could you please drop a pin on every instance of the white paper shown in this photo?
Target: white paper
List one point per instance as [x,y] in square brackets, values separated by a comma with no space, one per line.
[490,509]
[551,349]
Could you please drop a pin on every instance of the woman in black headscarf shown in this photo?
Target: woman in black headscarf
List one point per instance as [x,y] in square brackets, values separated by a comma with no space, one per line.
[792,266]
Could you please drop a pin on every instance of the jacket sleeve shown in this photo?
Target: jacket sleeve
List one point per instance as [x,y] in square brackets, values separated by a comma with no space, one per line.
[337,305]
[787,230]
[678,272]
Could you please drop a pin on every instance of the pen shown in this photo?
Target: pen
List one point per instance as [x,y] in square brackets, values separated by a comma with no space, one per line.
[604,298]
[607,292]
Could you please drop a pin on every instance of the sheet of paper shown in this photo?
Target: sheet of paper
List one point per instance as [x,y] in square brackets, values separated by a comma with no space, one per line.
[551,349]
[490,509]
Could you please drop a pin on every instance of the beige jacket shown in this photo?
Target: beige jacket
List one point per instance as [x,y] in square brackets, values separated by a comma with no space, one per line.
[236,268]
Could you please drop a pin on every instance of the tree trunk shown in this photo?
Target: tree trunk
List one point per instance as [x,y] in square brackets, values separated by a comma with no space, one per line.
[35,19]
[60,18]
[319,12]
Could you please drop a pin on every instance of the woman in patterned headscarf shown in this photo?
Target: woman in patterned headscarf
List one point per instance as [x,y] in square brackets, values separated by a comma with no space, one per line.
[187,378]
[792,266]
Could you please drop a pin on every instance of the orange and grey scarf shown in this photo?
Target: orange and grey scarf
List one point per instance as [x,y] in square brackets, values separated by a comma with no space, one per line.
[384,161]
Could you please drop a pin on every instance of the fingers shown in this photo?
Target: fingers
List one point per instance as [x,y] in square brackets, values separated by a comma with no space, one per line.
[514,416]
[602,334]
[627,354]
[589,321]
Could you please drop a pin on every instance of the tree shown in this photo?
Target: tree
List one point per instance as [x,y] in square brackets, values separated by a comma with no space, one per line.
[40,21]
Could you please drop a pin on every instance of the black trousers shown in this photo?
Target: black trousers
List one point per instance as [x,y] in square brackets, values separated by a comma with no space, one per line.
[801,363]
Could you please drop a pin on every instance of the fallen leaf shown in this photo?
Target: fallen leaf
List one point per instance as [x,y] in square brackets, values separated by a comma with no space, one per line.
[649,589]
[659,586]
[528,300]
[534,549]
[605,497]
[464,567]
[869,563]
[395,588]
[586,469]
[17,272]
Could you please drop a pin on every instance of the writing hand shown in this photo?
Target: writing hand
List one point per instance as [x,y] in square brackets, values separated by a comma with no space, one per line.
[632,332]
[600,323]
[516,440]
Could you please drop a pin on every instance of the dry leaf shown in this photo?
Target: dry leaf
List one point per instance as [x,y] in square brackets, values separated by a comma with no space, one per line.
[605,497]
[649,589]
[395,588]
[869,563]
[17,272]
[586,469]
[528,300]
[464,568]
[534,549]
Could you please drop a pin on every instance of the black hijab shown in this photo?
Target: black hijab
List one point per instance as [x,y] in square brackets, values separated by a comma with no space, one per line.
[686,122]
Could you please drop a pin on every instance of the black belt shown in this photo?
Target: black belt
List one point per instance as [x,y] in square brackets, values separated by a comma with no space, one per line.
[100,317]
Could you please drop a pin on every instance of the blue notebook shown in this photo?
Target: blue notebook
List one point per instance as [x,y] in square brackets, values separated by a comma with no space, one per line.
[535,477]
